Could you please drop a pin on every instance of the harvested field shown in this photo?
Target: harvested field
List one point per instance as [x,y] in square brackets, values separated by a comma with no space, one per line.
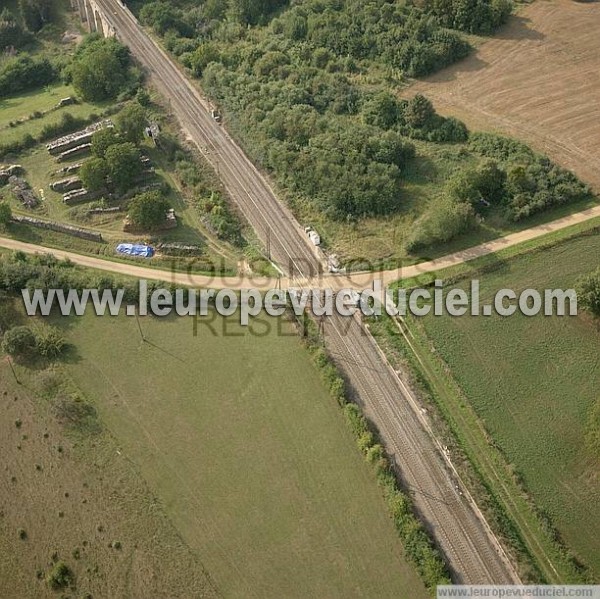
[538,80]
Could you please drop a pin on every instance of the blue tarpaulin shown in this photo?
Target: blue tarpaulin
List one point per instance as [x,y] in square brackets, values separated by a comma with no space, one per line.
[132,249]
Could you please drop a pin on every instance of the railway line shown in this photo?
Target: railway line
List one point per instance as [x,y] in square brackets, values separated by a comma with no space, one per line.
[472,551]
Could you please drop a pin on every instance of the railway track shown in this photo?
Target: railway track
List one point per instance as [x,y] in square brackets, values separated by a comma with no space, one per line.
[469,546]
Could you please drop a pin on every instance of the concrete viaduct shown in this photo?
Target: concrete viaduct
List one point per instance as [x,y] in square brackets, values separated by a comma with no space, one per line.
[93,17]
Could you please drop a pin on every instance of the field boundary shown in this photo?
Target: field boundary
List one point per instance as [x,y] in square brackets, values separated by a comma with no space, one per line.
[418,545]
[507,501]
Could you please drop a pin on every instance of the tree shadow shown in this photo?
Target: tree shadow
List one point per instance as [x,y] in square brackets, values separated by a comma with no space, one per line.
[471,63]
[518,28]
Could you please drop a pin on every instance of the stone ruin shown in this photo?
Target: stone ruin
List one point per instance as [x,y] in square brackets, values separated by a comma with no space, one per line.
[23,192]
[68,142]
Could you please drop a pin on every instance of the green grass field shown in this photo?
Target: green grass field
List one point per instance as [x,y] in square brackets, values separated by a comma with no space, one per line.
[533,382]
[22,106]
[40,170]
[248,454]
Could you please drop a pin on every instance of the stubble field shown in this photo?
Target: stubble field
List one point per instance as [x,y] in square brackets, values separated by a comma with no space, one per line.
[538,80]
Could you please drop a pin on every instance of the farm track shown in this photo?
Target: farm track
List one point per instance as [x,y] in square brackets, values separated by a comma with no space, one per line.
[472,551]
[537,80]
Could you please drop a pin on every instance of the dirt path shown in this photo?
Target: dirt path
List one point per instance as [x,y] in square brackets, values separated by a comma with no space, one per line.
[358,281]
[537,80]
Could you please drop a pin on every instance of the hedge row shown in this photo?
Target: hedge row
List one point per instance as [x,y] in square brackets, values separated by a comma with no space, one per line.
[418,547]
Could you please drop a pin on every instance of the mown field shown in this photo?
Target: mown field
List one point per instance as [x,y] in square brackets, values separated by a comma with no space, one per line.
[22,107]
[251,459]
[533,382]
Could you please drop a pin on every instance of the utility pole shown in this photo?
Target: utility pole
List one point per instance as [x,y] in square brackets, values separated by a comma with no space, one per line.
[12,368]
[269,243]
[139,327]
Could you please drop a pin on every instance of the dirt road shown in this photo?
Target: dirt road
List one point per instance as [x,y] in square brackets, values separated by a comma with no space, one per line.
[357,281]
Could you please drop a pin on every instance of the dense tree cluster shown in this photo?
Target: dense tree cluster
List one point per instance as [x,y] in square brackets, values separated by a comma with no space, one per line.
[165,16]
[472,16]
[116,163]
[35,13]
[148,211]
[356,173]
[22,73]
[531,183]
[12,34]
[401,36]
[100,69]
[289,92]
[15,26]
[414,118]
[116,160]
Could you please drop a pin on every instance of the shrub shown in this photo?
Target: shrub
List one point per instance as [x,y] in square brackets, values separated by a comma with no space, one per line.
[588,292]
[60,577]
[23,72]
[18,146]
[50,344]
[78,414]
[67,124]
[19,342]
[445,219]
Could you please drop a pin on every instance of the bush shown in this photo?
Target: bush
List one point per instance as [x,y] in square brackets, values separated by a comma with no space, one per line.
[22,73]
[19,342]
[78,414]
[60,577]
[588,292]
[445,219]
[67,124]
[50,344]
[17,146]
